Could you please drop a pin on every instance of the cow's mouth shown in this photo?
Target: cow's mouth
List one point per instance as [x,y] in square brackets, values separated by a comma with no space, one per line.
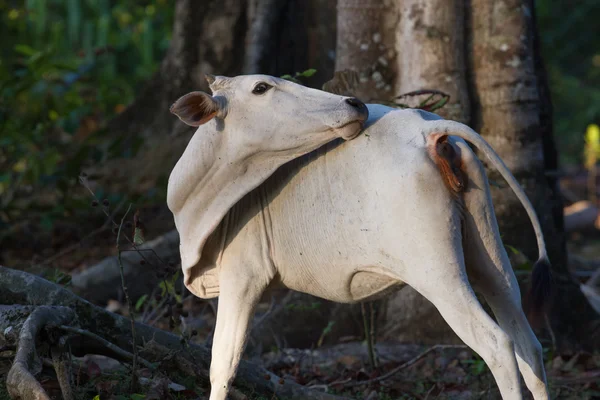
[351,130]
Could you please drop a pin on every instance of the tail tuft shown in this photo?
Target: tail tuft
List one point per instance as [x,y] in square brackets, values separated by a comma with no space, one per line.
[540,288]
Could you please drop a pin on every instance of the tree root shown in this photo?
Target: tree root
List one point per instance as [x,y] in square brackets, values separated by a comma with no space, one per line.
[62,367]
[17,287]
[21,382]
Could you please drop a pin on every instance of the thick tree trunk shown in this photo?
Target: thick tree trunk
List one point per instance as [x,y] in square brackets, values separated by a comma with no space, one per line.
[566,324]
[506,111]
[431,39]
[366,42]
[512,110]
[431,56]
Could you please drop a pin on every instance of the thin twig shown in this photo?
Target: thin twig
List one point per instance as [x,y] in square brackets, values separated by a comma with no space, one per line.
[588,376]
[373,333]
[406,364]
[262,319]
[148,305]
[430,391]
[111,346]
[551,332]
[73,247]
[129,306]
[90,235]
[157,312]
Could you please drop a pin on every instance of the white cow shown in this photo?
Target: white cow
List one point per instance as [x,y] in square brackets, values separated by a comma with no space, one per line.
[407,202]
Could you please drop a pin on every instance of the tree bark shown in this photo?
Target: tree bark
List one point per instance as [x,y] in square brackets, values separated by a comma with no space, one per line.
[431,40]
[507,112]
[366,42]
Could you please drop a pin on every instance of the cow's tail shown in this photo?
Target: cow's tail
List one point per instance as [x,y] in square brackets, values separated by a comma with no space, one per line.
[541,277]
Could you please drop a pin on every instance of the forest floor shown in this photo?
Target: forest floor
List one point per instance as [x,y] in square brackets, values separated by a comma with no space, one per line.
[424,372]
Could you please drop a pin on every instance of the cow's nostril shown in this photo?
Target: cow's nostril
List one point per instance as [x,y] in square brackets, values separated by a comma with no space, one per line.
[356,103]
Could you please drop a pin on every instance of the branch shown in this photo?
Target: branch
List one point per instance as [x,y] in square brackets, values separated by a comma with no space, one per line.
[115,349]
[101,282]
[405,365]
[129,305]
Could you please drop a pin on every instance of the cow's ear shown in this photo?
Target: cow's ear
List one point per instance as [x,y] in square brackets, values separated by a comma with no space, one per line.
[196,108]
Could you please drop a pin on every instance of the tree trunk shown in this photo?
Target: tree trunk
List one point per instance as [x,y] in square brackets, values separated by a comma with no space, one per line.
[431,39]
[366,42]
[506,112]
[512,110]
[208,38]
[567,325]
[431,56]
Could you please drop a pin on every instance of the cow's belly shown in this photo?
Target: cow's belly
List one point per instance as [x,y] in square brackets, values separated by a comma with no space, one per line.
[349,286]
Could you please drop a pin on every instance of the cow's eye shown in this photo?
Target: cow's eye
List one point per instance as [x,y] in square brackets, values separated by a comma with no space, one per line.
[261,88]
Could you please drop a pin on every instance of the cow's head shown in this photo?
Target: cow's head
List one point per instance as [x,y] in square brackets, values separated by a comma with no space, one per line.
[271,114]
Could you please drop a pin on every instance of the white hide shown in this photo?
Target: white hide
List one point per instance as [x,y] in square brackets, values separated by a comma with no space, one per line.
[245,139]
[353,219]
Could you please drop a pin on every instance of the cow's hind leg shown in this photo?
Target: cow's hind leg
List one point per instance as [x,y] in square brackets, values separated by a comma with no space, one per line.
[441,277]
[499,286]
[492,275]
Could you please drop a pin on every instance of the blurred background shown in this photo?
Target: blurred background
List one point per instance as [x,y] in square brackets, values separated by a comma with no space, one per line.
[85,87]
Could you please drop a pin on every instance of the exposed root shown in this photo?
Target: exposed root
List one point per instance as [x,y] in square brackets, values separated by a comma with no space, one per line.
[18,287]
[61,364]
[123,354]
[21,382]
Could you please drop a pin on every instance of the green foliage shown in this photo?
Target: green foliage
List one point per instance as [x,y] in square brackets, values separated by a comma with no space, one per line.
[326,331]
[570,40]
[305,74]
[140,302]
[167,286]
[303,307]
[59,277]
[67,66]
[476,365]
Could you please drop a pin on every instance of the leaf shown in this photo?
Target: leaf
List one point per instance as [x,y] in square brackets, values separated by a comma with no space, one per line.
[96,397]
[140,302]
[25,50]
[592,145]
[514,250]
[138,236]
[308,73]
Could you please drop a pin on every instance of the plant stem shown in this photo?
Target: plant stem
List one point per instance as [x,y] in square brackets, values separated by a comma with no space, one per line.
[373,313]
[129,306]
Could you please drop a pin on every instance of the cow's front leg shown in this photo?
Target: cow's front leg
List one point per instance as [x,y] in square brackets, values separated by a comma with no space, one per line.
[240,291]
